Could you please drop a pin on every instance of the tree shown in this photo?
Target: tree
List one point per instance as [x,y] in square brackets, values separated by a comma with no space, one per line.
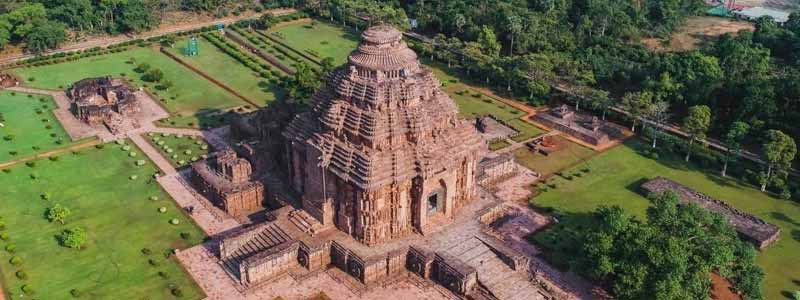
[668,256]
[154,75]
[599,100]
[303,84]
[327,65]
[74,238]
[514,27]
[45,36]
[658,113]
[136,16]
[696,125]
[779,150]
[58,213]
[488,41]
[733,141]
[637,104]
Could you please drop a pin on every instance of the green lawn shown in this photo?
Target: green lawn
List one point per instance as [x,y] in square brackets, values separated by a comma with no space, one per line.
[119,217]
[230,72]
[614,180]
[29,127]
[179,150]
[526,130]
[323,39]
[569,154]
[190,95]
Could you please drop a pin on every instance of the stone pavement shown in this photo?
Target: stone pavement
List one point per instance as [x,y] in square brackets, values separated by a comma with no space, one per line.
[211,223]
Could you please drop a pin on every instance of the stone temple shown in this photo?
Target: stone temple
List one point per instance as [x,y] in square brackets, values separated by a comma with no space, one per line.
[383,152]
[104,101]
[385,182]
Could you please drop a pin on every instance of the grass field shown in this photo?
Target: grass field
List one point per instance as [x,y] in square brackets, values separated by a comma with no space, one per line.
[179,150]
[526,130]
[569,154]
[119,217]
[322,39]
[190,95]
[29,127]
[229,72]
[614,180]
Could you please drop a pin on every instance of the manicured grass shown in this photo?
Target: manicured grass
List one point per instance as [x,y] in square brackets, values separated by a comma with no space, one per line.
[526,130]
[229,72]
[322,39]
[498,144]
[614,179]
[190,95]
[120,220]
[568,155]
[29,127]
[284,55]
[179,150]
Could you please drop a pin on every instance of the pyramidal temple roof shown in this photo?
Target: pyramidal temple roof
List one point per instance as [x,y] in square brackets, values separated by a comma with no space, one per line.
[383,118]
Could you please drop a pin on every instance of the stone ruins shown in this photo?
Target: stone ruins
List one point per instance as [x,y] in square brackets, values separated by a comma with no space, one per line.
[225,180]
[7,81]
[104,101]
[754,229]
[586,128]
[386,179]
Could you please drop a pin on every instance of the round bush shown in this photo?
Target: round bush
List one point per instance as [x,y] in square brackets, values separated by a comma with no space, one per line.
[177,292]
[120,142]
[162,209]
[27,289]
[204,147]
[187,152]
[141,162]
[15,261]
[75,293]
[174,221]
[133,177]
[126,148]
[4,236]
[21,275]
[11,248]
[170,150]
[160,143]
[181,162]
[132,154]
[174,156]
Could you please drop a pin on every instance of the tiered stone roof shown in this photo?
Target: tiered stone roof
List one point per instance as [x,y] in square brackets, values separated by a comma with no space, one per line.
[382,118]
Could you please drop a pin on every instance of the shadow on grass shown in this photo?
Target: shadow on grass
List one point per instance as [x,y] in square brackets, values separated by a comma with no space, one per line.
[783,217]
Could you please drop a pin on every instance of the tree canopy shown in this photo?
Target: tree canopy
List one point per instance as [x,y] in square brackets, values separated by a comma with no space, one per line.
[668,257]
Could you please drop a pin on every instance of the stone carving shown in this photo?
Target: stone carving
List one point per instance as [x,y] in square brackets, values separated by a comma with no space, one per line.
[98,101]
[754,229]
[382,152]
[225,179]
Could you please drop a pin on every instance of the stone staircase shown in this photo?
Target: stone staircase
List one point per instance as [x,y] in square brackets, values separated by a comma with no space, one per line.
[495,276]
[304,221]
[270,236]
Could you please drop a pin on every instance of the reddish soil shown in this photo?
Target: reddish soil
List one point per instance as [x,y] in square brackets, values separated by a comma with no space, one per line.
[722,289]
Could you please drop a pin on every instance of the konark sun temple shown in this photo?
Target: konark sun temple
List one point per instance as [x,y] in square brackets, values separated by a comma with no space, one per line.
[385,177]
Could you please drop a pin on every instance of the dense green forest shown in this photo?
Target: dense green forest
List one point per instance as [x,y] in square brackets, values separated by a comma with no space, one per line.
[43,24]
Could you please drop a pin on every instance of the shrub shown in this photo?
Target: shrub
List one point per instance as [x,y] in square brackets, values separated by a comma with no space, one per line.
[53,158]
[133,177]
[27,289]
[162,209]
[4,236]
[100,146]
[174,221]
[177,292]
[31,164]
[11,248]
[163,274]
[141,162]
[146,251]
[21,275]
[154,198]
[6,170]
[75,293]
[153,262]
[74,238]
[15,261]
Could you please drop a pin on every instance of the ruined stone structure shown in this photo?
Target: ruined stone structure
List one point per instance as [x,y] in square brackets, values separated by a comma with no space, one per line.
[225,180]
[754,229]
[585,128]
[496,169]
[7,81]
[493,129]
[382,153]
[103,101]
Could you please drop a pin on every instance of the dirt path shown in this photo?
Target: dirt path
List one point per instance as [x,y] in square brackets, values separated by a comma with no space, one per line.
[105,41]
